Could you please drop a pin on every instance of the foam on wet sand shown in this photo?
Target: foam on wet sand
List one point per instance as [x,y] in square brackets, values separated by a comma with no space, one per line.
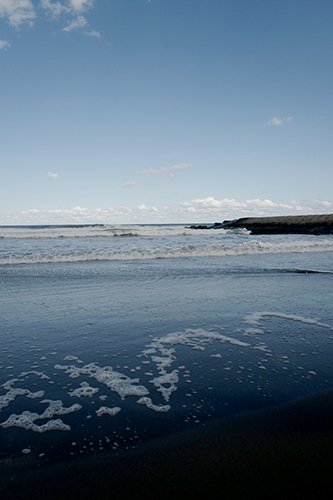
[14,393]
[27,419]
[85,391]
[115,381]
[158,408]
[161,353]
[105,410]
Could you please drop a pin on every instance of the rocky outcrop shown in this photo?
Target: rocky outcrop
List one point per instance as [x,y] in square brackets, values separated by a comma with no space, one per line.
[293,224]
[217,225]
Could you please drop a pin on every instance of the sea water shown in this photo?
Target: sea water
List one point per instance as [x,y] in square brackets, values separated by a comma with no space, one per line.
[115,335]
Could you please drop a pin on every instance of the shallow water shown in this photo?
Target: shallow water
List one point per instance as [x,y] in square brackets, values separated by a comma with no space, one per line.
[200,337]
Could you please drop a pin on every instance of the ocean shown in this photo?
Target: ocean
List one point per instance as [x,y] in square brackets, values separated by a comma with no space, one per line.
[114,336]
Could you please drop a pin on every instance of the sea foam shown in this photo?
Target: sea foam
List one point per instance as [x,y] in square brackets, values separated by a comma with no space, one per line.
[115,381]
[27,419]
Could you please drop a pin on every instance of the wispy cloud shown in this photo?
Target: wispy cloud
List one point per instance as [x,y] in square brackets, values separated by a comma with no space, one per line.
[4,44]
[79,22]
[17,11]
[92,33]
[130,184]
[55,8]
[166,171]
[53,176]
[81,5]
[72,6]
[275,121]
[279,121]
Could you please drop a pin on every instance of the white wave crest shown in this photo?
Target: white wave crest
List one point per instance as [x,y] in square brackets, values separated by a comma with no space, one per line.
[163,251]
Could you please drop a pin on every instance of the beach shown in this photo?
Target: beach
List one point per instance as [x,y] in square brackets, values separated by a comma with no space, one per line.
[280,453]
[155,359]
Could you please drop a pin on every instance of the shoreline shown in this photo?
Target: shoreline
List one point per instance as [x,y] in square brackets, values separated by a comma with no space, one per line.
[291,224]
[110,314]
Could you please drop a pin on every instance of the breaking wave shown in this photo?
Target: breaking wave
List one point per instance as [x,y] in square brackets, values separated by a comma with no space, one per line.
[126,249]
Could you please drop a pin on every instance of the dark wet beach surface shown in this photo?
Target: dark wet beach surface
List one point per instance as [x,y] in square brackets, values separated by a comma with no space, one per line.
[282,453]
[253,336]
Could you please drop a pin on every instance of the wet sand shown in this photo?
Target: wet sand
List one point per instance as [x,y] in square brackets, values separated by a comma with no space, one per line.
[283,453]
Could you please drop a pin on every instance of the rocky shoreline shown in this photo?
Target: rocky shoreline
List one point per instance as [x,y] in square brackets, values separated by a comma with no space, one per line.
[293,224]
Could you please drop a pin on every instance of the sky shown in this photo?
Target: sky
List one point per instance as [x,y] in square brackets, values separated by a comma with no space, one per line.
[158,111]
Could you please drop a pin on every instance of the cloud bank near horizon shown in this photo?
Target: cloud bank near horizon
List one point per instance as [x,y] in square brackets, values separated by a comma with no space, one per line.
[198,210]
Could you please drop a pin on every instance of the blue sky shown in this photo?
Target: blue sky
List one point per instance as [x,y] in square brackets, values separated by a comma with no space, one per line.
[128,111]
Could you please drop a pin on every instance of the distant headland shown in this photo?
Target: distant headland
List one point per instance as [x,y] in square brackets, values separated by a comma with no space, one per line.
[291,224]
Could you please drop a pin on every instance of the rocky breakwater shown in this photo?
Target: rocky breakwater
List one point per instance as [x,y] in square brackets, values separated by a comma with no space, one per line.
[293,224]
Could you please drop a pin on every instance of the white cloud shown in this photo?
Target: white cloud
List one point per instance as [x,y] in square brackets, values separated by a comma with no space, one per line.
[17,11]
[143,208]
[198,210]
[130,184]
[278,122]
[80,22]
[275,121]
[56,8]
[74,6]
[256,206]
[81,5]
[53,176]
[166,171]
[4,44]
[231,208]
[92,33]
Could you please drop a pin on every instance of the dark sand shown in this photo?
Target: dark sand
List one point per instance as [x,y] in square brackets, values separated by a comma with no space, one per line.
[281,453]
